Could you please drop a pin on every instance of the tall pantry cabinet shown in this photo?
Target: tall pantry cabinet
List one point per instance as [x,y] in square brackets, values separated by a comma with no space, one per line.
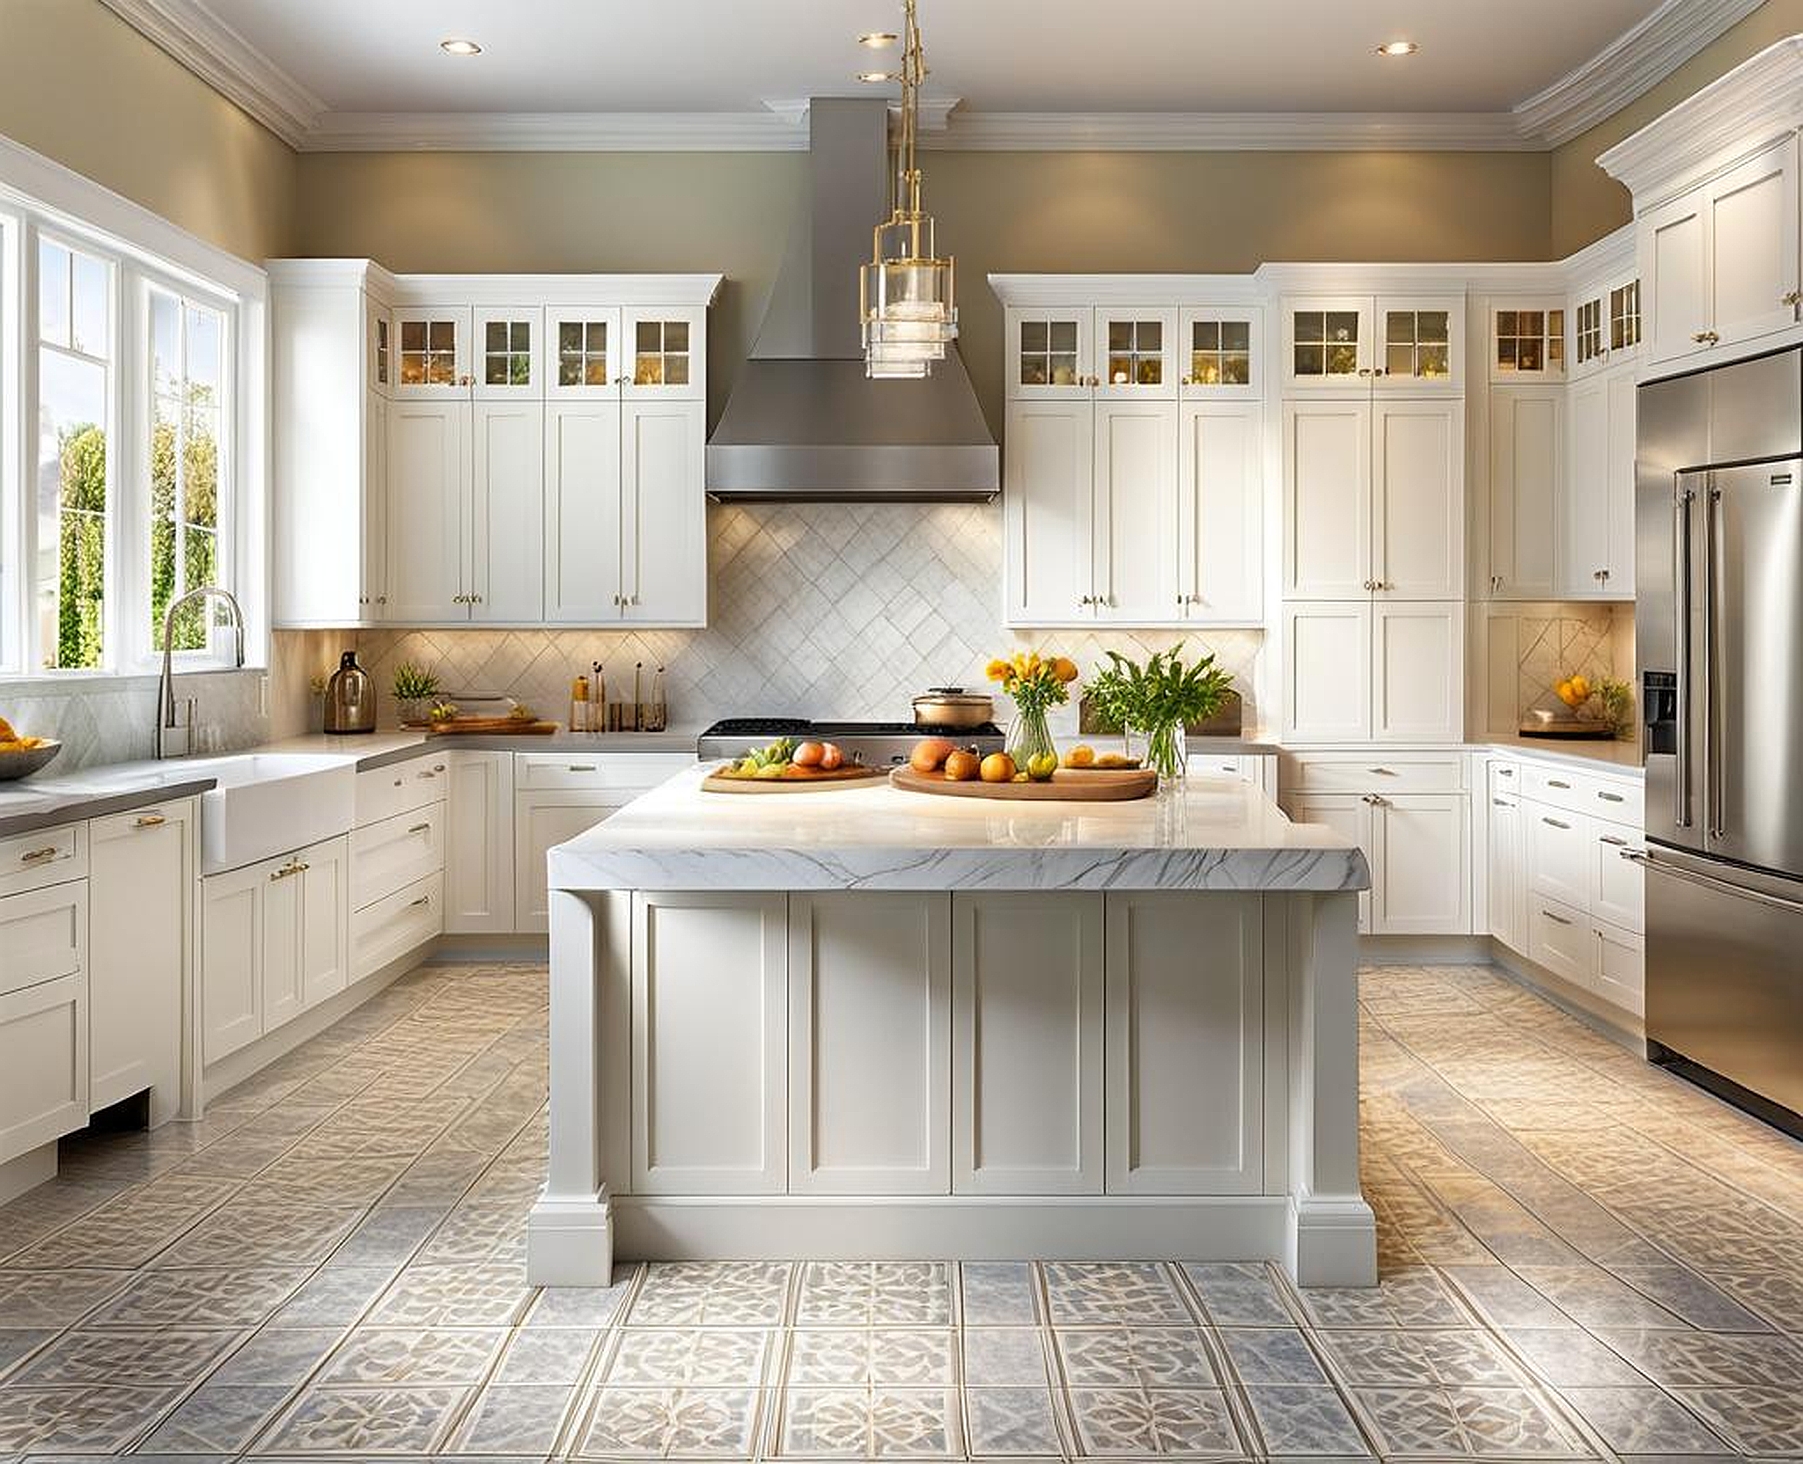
[502,450]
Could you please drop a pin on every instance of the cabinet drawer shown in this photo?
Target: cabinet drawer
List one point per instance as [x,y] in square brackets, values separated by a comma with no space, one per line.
[46,857]
[1617,883]
[43,1064]
[395,852]
[1375,772]
[636,770]
[400,788]
[1214,765]
[396,924]
[43,935]
[1620,966]
[1559,857]
[1560,939]
[1618,799]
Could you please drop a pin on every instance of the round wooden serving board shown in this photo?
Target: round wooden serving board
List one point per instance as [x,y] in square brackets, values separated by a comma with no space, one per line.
[1068,785]
[812,782]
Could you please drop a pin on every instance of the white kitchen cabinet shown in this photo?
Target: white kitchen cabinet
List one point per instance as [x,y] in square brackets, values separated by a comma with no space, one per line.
[505,514]
[1357,672]
[709,1007]
[1133,488]
[1349,816]
[582,575]
[430,348]
[1559,855]
[43,934]
[428,510]
[1596,526]
[1506,870]
[1606,323]
[274,941]
[1096,353]
[396,925]
[1421,883]
[1720,261]
[1327,343]
[140,880]
[395,852]
[1184,1017]
[1027,1043]
[665,353]
[1220,513]
[869,1043]
[1048,465]
[43,1060]
[479,826]
[544,818]
[1527,341]
[1373,499]
[1620,971]
[1560,938]
[663,509]
[1617,884]
[505,345]
[1222,352]
[1387,344]
[583,358]
[1528,448]
[1048,353]
[1136,353]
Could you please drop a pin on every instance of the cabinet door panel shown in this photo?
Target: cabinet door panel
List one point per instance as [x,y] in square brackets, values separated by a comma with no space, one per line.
[1420,881]
[664,502]
[231,960]
[322,921]
[372,598]
[1617,884]
[1185,1015]
[1621,967]
[1624,416]
[1221,351]
[540,821]
[1752,247]
[1327,485]
[1047,508]
[1674,265]
[1561,939]
[1134,513]
[663,353]
[139,878]
[869,1043]
[428,514]
[1505,873]
[508,509]
[1559,855]
[279,961]
[479,845]
[1527,470]
[1349,816]
[1136,353]
[1420,344]
[506,354]
[1584,524]
[709,997]
[1417,664]
[582,513]
[1327,672]
[431,352]
[1049,353]
[1221,514]
[1419,510]
[1327,343]
[43,934]
[43,1064]
[583,356]
[1027,1044]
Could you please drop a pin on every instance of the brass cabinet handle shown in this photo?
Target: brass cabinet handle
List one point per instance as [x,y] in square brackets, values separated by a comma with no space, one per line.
[1791,297]
[424,828]
[422,900]
[1706,337]
[149,821]
[1555,783]
[293,866]
[33,856]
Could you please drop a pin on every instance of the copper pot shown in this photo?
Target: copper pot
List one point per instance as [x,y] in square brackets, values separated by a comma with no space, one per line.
[953,708]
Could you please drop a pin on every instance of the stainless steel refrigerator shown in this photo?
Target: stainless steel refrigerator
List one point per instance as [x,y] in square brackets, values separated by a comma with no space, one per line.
[1719,638]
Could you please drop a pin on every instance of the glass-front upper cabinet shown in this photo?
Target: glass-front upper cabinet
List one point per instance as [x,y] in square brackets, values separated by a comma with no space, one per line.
[1048,351]
[1527,340]
[583,356]
[664,352]
[507,353]
[1327,342]
[1421,344]
[1136,353]
[1606,324]
[430,351]
[1221,351]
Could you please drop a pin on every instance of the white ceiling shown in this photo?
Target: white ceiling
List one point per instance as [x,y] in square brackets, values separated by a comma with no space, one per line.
[331,66]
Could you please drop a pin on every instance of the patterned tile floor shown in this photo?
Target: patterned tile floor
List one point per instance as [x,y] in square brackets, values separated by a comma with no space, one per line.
[1582,1258]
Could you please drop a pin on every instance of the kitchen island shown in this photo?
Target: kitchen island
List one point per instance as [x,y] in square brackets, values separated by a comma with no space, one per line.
[875,1024]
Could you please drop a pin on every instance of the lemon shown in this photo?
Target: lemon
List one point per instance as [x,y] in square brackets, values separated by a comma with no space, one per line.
[1042,767]
[1080,756]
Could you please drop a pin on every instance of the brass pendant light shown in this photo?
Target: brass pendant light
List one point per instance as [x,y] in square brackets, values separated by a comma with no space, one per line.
[907,293]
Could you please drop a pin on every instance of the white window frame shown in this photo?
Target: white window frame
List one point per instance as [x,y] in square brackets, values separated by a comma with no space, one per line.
[38,196]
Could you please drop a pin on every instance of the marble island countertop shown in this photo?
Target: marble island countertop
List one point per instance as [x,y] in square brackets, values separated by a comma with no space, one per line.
[1218,833]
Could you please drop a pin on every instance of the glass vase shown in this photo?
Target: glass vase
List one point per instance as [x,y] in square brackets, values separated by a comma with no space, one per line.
[1029,737]
[1166,753]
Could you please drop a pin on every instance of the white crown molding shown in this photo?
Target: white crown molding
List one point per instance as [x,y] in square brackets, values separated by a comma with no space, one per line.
[1627,67]
[190,32]
[933,111]
[1757,102]
[227,62]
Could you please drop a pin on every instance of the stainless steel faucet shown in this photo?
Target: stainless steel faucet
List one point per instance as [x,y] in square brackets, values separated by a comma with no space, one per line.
[167,719]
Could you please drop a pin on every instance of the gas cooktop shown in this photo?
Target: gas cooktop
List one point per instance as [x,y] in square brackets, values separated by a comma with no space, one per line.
[870,742]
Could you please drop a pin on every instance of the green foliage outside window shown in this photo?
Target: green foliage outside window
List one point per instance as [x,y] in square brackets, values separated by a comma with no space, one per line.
[81,592]
[197,523]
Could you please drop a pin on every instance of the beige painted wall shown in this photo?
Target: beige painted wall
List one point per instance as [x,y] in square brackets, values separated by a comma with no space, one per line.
[1162,211]
[1586,202]
[80,86]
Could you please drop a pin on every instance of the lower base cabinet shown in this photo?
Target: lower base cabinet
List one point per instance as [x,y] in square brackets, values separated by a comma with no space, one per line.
[1416,845]
[43,1015]
[931,1044]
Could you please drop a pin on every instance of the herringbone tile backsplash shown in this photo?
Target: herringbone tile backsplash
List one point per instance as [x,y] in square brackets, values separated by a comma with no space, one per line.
[825,610]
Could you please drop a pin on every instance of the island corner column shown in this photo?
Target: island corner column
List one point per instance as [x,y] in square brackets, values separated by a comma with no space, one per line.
[569,1234]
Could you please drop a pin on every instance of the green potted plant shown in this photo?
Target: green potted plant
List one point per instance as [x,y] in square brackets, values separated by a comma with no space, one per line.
[1158,700]
[415,688]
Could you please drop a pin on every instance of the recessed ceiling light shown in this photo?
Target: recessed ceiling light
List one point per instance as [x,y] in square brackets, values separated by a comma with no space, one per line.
[877,39]
[876,76]
[456,46]
[1398,48]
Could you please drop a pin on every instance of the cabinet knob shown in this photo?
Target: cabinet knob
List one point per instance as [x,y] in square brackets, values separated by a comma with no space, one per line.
[381,599]
[1706,337]
[1792,297]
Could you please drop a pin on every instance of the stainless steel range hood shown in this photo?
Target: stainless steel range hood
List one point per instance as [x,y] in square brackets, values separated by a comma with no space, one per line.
[803,421]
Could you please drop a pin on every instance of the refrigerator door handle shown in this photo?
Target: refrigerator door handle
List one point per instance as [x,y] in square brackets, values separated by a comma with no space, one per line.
[1682,498]
[1712,779]
[1721,886]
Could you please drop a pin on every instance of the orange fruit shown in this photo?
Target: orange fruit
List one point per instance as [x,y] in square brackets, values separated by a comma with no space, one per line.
[962,765]
[998,767]
[929,753]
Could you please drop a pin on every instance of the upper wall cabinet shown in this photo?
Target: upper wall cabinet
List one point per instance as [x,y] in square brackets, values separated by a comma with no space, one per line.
[431,347]
[1527,341]
[1351,343]
[506,351]
[1112,353]
[1605,323]
[1222,352]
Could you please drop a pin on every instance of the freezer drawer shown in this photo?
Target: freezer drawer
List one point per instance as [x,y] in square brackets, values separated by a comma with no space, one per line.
[1724,988]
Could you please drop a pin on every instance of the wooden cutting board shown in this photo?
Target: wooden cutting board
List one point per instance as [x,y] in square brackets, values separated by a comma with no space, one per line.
[1068,785]
[812,782]
[492,727]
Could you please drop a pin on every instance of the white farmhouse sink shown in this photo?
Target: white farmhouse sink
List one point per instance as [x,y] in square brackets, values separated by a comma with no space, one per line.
[270,802]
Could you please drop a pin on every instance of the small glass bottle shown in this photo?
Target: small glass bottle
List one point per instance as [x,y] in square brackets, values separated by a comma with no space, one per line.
[581,719]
